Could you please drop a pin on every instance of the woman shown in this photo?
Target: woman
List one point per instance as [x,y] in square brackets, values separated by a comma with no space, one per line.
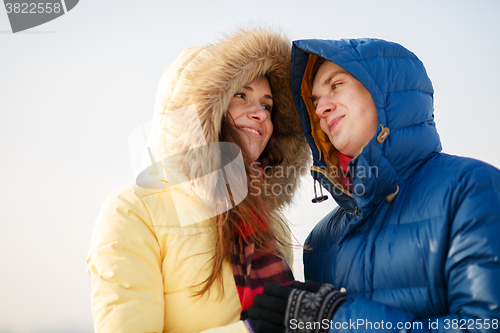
[189,255]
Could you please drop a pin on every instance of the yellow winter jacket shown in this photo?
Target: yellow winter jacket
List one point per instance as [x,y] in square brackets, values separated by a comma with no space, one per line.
[144,261]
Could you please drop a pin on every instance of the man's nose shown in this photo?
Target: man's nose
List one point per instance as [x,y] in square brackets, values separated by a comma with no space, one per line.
[324,107]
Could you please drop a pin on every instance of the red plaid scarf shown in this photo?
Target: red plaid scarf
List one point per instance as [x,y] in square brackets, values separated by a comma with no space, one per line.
[253,269]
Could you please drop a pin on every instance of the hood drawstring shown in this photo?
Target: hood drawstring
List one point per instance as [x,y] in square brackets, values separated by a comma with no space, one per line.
[317,199]
[391,197]
[322,198]
[384,133]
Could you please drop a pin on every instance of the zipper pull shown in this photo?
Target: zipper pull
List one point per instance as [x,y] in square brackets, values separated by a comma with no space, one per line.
[356,211]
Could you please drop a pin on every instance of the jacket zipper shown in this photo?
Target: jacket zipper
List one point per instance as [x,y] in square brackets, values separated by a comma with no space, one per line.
[356,212]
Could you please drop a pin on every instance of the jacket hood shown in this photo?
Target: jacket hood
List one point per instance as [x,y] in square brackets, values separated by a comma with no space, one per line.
[403,96]
[194,94]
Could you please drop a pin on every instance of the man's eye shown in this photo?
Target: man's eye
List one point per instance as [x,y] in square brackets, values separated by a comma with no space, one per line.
[336,85]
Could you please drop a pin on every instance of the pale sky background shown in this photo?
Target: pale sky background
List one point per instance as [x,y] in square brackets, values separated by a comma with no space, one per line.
[73,89]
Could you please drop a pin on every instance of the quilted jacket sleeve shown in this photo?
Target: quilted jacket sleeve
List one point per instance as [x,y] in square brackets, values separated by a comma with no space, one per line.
[472,268]
[124,263]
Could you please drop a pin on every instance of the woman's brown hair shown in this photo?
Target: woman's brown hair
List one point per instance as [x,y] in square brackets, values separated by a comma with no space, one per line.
[254,212]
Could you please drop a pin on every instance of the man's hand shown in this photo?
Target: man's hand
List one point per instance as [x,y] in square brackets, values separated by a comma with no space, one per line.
[282,308]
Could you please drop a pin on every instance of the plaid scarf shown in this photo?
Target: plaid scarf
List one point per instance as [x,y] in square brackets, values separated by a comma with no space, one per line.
[253,269]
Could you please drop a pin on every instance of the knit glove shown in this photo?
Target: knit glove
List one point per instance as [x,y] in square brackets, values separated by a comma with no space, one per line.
[298,307]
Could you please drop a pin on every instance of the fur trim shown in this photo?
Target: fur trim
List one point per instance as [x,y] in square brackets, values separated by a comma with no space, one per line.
[204,79]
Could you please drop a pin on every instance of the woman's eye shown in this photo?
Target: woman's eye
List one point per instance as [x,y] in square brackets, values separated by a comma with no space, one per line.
[240,95]
[268,108]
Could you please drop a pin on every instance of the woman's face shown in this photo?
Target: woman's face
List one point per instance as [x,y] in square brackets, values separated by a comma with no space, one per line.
[250,109]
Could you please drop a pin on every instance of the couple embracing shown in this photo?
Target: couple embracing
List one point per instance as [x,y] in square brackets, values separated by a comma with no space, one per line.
[411,243]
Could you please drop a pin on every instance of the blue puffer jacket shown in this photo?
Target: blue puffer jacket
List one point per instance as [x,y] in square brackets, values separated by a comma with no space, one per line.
[416,245]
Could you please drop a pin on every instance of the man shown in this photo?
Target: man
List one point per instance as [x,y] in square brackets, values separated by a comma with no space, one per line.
[413,242]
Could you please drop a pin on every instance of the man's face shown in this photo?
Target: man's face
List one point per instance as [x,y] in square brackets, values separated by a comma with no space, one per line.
[345,109]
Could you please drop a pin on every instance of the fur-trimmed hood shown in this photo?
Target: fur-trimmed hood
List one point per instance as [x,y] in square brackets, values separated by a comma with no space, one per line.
[194,94]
